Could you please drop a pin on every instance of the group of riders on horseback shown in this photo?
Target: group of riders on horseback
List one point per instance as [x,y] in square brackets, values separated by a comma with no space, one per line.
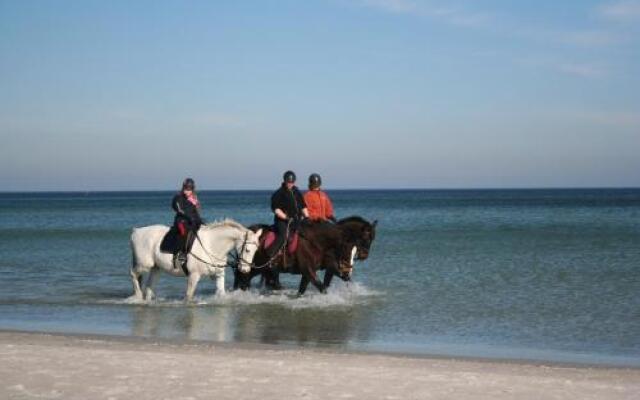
[305,237]
[289,207]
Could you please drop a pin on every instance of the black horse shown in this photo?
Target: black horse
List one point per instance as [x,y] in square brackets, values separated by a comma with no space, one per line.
[322,245]
[361,233]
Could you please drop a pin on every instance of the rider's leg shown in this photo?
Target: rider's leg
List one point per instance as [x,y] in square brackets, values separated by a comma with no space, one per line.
[281,234]
[181,242]
[190,237]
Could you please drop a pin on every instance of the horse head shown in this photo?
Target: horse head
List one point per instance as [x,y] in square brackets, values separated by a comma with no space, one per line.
[246,247]
[345,263]
[361,233]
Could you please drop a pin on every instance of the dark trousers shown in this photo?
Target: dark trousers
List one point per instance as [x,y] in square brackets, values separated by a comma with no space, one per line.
[186,235]
[281,234]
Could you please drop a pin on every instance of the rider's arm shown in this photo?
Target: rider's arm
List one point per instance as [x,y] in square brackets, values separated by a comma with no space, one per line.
[301,203]
[280,214]
[329,209]
[178,207]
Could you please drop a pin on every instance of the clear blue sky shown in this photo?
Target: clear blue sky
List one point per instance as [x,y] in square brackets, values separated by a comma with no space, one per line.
[118,95]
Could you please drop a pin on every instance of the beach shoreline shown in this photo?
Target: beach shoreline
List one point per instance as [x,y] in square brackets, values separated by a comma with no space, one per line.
[69,366]
[248,345]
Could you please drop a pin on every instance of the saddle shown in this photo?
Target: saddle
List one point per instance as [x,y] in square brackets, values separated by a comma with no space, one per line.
[270,238]
[171,242]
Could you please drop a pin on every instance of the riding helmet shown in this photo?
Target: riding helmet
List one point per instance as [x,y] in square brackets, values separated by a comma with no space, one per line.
[315,181]
[289,177]
[188,184]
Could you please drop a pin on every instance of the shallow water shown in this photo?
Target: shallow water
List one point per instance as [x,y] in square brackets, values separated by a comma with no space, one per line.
[538,274]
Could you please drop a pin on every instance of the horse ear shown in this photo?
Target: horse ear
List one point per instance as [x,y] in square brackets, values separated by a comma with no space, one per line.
[375,222]
[259,233]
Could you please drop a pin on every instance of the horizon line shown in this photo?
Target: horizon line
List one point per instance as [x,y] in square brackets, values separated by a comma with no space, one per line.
[337,189]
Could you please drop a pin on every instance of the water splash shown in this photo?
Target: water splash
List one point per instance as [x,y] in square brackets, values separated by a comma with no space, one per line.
[337,296]
[340,295]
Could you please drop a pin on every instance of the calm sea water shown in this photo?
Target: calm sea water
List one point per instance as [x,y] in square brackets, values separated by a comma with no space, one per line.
[534,274]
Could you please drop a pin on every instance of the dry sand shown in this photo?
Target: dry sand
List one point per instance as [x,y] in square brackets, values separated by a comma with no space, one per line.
[43,366]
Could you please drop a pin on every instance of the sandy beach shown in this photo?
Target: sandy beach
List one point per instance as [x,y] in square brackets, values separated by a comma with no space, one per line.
[52,366]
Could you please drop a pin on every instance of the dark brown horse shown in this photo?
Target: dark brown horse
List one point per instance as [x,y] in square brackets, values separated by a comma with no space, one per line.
[322,245]
[358,231]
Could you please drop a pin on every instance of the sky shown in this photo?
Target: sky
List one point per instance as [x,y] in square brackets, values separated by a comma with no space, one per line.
[122,95]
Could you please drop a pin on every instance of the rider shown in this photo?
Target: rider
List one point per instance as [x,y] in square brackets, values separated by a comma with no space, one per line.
[317,201]
[288,207]
[187,220]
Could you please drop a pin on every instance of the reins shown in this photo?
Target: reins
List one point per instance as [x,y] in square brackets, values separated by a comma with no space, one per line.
[225,262]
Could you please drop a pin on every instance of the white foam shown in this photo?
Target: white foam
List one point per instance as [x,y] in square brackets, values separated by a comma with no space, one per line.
[339,295]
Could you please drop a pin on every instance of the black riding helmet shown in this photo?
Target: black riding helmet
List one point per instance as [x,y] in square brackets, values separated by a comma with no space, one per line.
[188,184]
[315,181]
[289,177]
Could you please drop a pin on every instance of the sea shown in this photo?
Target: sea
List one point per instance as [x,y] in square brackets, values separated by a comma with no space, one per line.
[541,275]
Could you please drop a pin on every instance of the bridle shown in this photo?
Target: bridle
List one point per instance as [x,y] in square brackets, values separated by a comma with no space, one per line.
[239,256]
[237,259]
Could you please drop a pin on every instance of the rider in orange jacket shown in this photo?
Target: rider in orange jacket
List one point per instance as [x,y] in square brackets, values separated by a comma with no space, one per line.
[317,201]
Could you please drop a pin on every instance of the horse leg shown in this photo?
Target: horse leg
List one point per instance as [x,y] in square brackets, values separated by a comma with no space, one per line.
[304,282]
[151,284]
[276,280]
[316,282]
[328,277]
[136,279]
[192,282]
[236,279]
[271,279]
[220,283]
[243,281]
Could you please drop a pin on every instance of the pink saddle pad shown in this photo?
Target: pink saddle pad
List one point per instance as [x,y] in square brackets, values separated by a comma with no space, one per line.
[271,237]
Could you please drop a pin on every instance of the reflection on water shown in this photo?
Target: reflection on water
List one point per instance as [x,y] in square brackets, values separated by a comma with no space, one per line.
[277,319]
[194,323]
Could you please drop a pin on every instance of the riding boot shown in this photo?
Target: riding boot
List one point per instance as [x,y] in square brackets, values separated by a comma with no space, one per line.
[188,244]
[180,256]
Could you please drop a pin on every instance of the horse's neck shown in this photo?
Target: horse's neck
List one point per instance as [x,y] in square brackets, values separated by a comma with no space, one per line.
[349,232]
[325,237]
[221,241]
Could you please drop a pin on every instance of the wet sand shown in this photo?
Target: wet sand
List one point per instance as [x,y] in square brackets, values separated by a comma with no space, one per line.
[51,366]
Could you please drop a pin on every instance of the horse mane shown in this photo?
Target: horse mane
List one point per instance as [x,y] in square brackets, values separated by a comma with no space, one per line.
[354,218]
[227,222]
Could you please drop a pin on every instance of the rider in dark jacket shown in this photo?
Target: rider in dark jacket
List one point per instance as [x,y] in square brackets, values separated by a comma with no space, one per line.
[288,207]
[187,220]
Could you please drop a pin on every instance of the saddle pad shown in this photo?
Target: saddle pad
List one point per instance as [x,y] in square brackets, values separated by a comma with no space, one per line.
[271,237]
[293,243]
[169,242]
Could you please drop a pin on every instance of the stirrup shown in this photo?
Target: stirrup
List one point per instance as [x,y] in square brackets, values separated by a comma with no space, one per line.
[179,260]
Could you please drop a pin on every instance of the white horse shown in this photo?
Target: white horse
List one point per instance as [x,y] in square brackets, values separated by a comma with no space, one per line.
[208,255]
